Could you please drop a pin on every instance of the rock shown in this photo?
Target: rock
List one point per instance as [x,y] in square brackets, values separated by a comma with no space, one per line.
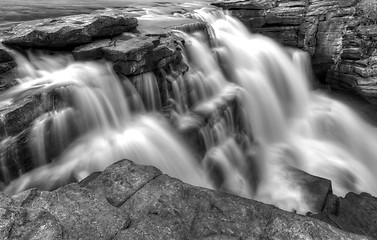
[122,180]
[7,79]
[16,156]
[21,223]
[91,51]
[163,26]
[334,33]
[316,189]
[353,213]
[143,54]
[70,31]
[167,208]
[82,213]
[18,116]
[7,63]
[149,205]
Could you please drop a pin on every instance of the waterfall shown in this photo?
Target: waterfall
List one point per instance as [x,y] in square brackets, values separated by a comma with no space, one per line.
[247,98]
[96,129]
[294,126]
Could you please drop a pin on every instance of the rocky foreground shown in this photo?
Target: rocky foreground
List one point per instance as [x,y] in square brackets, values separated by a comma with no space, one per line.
[130,201]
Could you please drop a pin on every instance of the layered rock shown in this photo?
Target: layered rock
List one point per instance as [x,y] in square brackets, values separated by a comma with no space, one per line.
[68,31]
[339,35]
[129,201]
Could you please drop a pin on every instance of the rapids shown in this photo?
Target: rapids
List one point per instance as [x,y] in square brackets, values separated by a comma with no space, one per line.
[287,124]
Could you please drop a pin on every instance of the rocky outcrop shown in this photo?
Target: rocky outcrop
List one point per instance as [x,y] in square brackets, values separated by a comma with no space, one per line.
[129,201]
[339,35]
[353,213]
[68,31]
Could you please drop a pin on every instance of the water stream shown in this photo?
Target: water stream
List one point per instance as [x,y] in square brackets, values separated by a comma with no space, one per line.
[287,125]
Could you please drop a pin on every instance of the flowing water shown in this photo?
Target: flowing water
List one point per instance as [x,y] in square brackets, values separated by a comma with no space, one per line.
[286,125]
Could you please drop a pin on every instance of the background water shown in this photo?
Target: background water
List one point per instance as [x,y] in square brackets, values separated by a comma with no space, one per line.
[23,10]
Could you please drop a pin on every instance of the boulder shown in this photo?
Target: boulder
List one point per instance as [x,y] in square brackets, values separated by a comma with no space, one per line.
[69,31]
[356,213]
[149,205]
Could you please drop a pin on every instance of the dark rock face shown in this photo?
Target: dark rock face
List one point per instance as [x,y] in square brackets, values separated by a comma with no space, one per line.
[353,213]
[339,35]
[68,31]
[149,205]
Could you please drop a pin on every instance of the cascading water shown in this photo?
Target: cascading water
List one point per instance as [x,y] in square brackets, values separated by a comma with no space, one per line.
[102,124]
[293,126]
[284,124]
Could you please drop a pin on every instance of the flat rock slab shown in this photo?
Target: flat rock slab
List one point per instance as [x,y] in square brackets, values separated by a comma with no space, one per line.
[164,25]
[143,53]
[68,31]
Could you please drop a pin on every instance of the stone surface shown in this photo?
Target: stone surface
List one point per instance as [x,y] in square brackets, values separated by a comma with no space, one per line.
[339,35]
[68,31]
[70,212]
[353,213]
[143,54]
[120,182]
[145,204]
[130,201]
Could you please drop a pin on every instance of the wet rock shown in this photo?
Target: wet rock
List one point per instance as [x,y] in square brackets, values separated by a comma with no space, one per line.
[7,63]
[91,51]
[163,26]
[143,54]
[18,116]
[16,156]
[316,189]
[353,213]
[7,79]
[68,31]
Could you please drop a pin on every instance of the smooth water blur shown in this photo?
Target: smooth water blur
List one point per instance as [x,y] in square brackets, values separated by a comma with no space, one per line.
[294,126]
[96,129]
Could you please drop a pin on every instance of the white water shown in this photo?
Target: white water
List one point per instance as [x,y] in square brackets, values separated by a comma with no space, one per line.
[108,131]
[292,125]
